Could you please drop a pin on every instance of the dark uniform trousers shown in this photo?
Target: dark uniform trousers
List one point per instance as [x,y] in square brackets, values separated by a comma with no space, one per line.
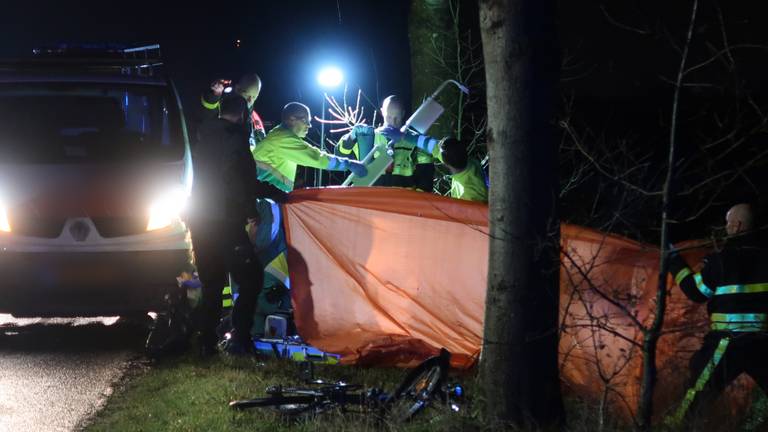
[732,283]
[721,359]
[220,248]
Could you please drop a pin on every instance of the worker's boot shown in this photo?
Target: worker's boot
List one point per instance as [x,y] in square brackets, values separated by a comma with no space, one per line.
[236,344]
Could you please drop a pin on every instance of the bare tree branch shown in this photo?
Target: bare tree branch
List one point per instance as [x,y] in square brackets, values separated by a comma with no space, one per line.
[623,26]
[565,125]
[603,295]
[726,50]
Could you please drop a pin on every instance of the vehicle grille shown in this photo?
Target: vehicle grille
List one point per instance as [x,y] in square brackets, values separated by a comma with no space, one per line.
[51,227]
[33,226]
[120,226]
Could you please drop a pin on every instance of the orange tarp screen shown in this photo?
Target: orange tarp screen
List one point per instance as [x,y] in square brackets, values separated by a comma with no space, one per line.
[387,276]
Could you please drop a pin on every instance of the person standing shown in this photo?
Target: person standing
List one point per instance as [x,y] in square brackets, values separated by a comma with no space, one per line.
[249,88]
[733,282]
[224,194]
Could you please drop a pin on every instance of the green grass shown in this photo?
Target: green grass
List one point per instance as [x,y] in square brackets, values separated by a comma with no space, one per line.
[190,394]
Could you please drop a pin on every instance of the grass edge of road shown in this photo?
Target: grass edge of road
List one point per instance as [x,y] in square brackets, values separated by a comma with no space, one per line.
[133,368]
[187,393]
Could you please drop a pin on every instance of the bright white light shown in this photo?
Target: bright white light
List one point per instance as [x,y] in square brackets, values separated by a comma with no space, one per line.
[166,209]
[228,90]
[11,322]
[330,77]
[4,224]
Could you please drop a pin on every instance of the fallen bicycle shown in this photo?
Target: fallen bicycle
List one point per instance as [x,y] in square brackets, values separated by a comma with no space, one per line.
[421,386]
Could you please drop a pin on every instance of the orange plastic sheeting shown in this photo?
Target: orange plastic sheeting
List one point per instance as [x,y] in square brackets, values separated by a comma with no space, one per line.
[387,276]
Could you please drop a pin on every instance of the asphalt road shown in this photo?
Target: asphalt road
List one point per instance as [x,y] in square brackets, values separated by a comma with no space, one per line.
[55,373]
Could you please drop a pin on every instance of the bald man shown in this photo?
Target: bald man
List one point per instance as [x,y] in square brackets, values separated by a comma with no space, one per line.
[734,284]
[412,166]
[249,88]
[738,219]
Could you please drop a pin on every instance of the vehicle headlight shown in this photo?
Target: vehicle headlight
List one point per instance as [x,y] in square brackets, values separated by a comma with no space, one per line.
[4,224]
[167,208]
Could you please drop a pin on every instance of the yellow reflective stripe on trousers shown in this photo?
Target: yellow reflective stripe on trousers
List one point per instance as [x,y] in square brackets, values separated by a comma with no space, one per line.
[742,289]
[703,288]
[681,275]
[739,322]
[679,415]
[208,105]
[226,294]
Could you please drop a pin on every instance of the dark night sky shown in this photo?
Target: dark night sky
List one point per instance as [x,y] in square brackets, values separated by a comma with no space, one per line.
[615,72]
[285,42]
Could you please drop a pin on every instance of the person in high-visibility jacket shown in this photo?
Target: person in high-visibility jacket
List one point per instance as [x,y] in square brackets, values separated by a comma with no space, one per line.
[411,168]
[468,182]
[734,284]
[283,149]
[249,88]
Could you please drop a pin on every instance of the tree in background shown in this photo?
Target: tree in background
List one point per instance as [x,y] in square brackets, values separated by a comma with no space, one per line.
[518,364]
[429,28]
[445,44]
[700,149]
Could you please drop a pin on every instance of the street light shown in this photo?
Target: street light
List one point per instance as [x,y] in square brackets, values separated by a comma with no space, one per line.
[329,78]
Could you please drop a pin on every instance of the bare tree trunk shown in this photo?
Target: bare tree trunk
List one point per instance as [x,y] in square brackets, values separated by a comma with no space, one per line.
[652,334]
[518,366]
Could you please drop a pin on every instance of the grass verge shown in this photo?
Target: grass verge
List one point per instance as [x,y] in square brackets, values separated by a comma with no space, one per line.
[190,394]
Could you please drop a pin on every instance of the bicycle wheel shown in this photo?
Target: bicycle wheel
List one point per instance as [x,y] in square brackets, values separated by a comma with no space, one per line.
[418,388]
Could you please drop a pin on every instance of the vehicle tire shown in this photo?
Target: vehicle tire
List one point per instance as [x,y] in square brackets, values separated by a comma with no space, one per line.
[171,329]
[168,335]
[418,388]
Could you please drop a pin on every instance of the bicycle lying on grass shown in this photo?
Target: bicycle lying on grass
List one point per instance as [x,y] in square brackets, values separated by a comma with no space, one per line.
[421,386]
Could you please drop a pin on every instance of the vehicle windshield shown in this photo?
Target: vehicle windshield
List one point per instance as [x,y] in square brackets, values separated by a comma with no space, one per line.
[88,123]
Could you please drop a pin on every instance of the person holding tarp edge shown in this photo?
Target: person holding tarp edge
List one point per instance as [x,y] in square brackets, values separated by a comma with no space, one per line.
[734,284]
[283,149]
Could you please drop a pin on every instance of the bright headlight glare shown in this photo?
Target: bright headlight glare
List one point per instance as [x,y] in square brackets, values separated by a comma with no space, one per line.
[166,209]
[4,224]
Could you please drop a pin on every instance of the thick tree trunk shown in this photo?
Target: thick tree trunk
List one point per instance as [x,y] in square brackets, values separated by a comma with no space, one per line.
[518,366]
[433,52]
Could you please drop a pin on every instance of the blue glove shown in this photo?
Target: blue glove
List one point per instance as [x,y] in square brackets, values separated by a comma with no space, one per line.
[343,164]
[361,130]
[358,168]
[347,142]
[392,133]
